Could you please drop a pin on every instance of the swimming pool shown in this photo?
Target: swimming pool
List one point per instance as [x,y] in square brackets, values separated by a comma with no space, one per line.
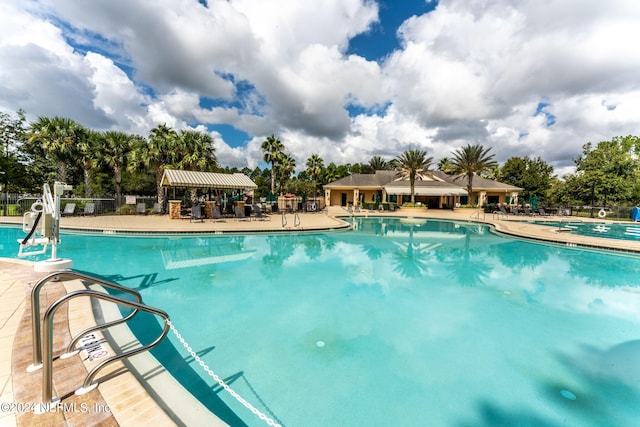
[608,230]
[400,322]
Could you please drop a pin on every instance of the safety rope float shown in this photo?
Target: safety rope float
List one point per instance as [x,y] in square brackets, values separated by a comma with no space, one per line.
[219,380]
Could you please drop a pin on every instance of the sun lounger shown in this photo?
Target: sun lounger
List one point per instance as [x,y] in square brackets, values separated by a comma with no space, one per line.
[89,209]
[258,215]
[69,209]
[157,209]
[141,209]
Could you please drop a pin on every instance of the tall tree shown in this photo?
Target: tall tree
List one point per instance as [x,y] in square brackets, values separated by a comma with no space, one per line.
[87,148]
[410,164]
[378,163]
[158,153]
[471,160]
[12,135]
[285,167]
[57,137]
[115,149]
[272,148]
[195,151]
[534,176]
[445,165]
[314,168]
[607,172]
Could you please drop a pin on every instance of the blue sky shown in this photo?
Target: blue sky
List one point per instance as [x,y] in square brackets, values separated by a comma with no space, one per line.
[346,79]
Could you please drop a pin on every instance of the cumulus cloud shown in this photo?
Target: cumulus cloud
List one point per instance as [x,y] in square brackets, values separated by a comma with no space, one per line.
[470,71]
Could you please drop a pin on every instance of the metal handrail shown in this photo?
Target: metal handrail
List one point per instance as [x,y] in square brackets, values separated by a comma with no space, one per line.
[284,219]
[296,220]
[47,342]
[35,308]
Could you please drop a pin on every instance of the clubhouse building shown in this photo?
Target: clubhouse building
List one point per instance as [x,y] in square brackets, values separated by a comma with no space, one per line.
[432,188]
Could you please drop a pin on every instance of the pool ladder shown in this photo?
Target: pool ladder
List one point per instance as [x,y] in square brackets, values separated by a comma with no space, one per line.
[42,333]
[296,219]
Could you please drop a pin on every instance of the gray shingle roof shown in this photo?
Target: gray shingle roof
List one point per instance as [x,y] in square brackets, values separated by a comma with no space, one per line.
[440,183]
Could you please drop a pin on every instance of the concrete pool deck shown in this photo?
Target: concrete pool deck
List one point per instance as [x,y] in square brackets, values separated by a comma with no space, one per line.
[128,402]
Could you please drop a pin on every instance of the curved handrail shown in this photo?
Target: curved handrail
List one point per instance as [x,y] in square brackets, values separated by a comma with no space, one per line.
[284,219]
[35,306]
[296,220]
[47,342]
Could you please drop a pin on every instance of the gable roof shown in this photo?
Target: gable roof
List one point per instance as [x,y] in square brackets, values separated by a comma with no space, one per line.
[194,179]
[479,183]
[363,180]
[434,183]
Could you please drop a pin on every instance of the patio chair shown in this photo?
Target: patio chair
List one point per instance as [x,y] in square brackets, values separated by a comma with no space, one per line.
[392,207]
[501,212]
[259,215]
[196,213]
[141,209]
[157,209]
[542,212]
[89,209]
[240,216]
[216,216]
[69,209]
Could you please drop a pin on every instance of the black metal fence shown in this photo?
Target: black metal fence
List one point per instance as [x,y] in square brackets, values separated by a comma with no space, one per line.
[12,204]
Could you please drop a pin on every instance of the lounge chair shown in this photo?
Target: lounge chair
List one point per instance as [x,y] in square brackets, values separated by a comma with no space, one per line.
[216,215]
[141,209]
[69,209]
[157,209]
[89,209]
[542,212]
[501,212]
[240,216]
[196,213]
[392,207]
[259,215]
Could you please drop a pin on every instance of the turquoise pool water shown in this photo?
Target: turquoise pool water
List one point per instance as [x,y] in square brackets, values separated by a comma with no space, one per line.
[400,322]
[629,231]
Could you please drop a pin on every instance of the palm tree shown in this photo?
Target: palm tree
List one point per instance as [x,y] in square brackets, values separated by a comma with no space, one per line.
[285,167]
[378,163]
[115,149]
[446,165]
[314,167]
[88,144]
[57,137]
[195,150]
[157,153]
[409,165]
[272,147]
[470,160]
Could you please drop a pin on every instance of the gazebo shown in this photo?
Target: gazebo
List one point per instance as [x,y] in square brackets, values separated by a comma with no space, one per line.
[174,178]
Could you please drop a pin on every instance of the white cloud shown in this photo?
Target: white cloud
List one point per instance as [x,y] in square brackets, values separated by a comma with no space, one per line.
[470,71]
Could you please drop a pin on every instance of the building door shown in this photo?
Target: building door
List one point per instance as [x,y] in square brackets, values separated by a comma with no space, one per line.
[343,199]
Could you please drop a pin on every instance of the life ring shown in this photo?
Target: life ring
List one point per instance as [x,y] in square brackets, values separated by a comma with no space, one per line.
[601,228]
[602,213]
[312,207]
[37,206]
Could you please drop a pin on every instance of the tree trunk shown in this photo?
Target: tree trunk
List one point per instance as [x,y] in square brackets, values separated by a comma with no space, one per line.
[87,179]
[117,172]
[159,173]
